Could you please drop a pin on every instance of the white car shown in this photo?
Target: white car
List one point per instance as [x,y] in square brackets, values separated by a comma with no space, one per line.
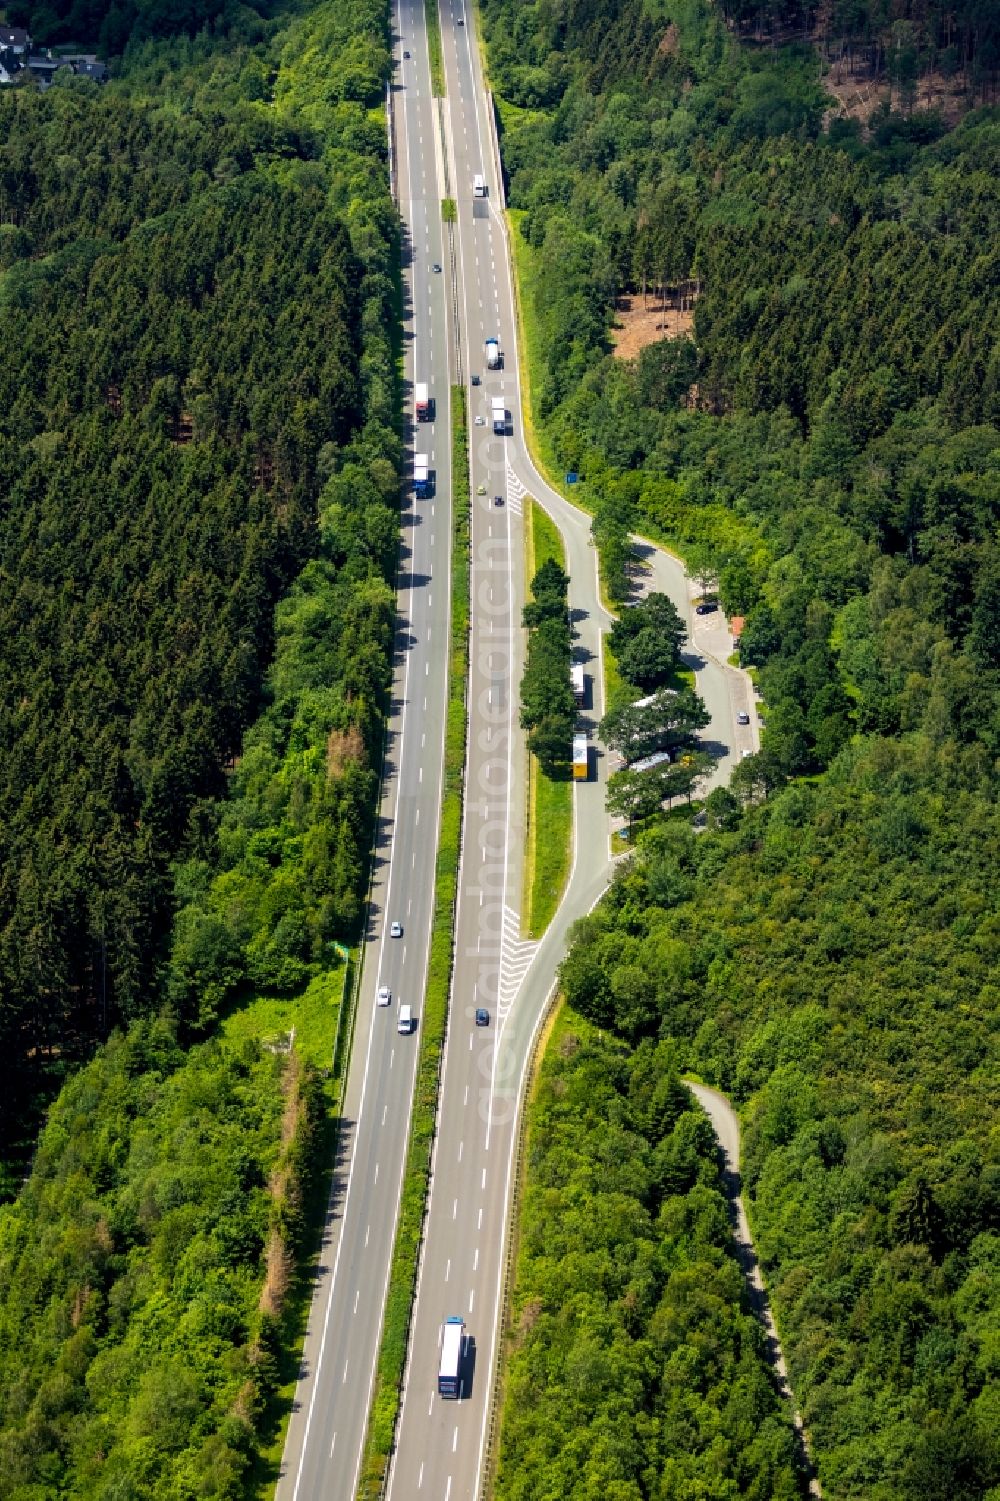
[480,420]
[395,930]
[383,996]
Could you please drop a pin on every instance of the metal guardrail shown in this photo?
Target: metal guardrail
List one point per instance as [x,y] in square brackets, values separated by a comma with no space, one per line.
[456,320]
[455,310]
[432,1148]
[390,130]
[495,139]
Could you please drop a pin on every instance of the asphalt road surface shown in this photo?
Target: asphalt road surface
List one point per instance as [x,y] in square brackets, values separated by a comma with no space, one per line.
[326,1432]
[440,1444]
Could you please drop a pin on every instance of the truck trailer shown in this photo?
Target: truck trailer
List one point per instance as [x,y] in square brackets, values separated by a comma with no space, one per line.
[581,758]
[499,414]
[579,682]
[422,484]
[494,359]
[452,1350]
[422,402]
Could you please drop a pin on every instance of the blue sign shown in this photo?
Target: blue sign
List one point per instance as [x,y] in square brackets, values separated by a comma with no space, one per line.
[572,477]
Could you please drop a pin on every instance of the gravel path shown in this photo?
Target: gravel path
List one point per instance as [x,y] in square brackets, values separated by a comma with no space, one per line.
[726,1125]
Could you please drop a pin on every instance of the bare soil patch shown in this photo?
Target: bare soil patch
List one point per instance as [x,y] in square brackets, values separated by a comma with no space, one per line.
[341,747]
[858,95]
[638,324]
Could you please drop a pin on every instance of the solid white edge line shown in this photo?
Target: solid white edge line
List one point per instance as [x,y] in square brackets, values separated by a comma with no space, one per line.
[444,1064]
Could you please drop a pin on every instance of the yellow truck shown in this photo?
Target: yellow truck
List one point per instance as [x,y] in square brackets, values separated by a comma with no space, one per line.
[581,759]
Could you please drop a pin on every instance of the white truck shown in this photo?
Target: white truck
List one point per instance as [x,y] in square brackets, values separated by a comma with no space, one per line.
[452,1350]
[499,414]
[581,759]
[494,359]
[422,401]
[579,682]
[421,476]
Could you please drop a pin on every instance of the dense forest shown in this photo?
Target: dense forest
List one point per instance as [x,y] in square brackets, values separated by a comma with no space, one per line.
[900,42]
[137,1330]
[112,24]
[830,961]
[821,436]
[828,432]
[634,1368]
[198,409]
[198,534]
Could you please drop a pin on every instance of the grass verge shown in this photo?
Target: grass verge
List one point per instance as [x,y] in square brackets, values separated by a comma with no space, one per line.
[550,836]
[543,1041]
[434,1016]
[319,1027]
[311,1014]
[550,800]
[617,692]
[449,211]
[529,338]
[434,48]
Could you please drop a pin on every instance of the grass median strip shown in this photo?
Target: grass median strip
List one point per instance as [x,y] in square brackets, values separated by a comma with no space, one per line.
[434,48]
[434,1016]
[550,798]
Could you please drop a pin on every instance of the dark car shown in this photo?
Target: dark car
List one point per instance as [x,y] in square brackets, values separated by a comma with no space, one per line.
[406,55]
[475,380]
[482,1017]
[435,267]
[498,500]
[706,607]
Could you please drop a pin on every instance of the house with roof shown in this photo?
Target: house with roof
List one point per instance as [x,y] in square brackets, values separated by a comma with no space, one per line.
[17,59]
[15,39]
[90,67]
[43,67]
[15,44]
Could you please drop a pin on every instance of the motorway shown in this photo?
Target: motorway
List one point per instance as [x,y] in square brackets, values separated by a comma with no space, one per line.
[440,1445]
[327,1425]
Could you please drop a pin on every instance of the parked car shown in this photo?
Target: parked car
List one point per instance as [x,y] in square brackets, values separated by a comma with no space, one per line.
[743,717]
[383,996]
[482,1017]
[395,930]
[707,607]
